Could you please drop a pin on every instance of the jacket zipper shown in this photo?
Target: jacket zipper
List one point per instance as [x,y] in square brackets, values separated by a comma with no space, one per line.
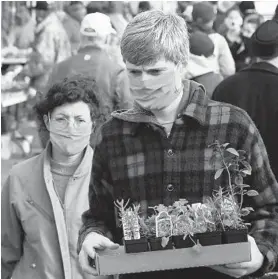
[42,211]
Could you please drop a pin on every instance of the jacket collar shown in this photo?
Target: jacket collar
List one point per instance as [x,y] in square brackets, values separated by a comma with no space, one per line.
[262,66]
[195,108]
[84,166]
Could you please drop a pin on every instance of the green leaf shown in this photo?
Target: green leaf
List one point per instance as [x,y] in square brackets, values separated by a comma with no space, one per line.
[244,186]
[238,180]
[244,211]
[232,151]
[246,165]
[218,173]
[249,208]
[252,193]
[246,171]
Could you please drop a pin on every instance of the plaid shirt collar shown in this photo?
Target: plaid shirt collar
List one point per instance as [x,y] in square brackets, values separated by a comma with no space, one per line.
[195,108]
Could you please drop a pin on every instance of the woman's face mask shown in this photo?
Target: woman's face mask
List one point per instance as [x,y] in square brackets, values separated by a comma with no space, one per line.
[156,86]
[70,127]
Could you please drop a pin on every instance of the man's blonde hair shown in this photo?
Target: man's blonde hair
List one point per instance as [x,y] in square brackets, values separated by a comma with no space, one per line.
[153,35]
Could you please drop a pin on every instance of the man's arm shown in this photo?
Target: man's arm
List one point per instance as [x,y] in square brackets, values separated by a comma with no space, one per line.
[100,216]
[265,218]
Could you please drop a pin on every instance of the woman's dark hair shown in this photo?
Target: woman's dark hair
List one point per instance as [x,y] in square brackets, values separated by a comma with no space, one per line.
[70,90]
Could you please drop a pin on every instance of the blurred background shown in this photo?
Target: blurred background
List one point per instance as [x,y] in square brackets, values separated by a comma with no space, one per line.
[20,31]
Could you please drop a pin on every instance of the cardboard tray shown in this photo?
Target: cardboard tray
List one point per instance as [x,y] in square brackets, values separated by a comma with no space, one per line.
[112,262]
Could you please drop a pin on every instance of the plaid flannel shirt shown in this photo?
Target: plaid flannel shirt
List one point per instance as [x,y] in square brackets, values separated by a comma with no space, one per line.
[134,159]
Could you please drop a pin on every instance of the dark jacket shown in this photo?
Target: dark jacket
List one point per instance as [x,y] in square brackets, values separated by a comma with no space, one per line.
[255,89]
[135,160]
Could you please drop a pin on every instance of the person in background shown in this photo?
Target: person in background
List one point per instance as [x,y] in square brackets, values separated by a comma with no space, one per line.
[254,89]
[275,17]
[158,151]
[115,12]
[144,6]
[75,13]
[203,16]
[51,46]
[250,23]
[22,35]
[247,7]
[44,196]
[96,59]
[199,67]
[98,7]
[223,7]
[237,32]
[231,30]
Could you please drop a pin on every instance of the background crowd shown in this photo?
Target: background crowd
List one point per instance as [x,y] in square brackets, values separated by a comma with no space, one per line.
[43,42]
[233,53]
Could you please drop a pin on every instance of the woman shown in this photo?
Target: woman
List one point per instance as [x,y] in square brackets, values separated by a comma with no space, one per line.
[44,196]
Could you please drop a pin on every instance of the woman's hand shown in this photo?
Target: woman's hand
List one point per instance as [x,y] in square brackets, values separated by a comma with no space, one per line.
[93,242]
[238,270]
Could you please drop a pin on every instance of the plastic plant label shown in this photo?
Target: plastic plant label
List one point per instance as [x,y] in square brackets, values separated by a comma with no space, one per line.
[164,226]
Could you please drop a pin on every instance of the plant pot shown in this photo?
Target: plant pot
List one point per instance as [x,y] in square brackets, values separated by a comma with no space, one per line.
[179,242]
[209,238]
[234,236]
[155,244]
[136,245]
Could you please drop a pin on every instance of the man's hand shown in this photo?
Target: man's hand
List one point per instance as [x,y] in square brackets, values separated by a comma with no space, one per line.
[238,270]
[93,242]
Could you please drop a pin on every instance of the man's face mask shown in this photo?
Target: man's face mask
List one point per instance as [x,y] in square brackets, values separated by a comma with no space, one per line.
[155,87]
[69,138]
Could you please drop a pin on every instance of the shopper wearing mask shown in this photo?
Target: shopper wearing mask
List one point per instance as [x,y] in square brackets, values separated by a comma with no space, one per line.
[44,196]
[158,151]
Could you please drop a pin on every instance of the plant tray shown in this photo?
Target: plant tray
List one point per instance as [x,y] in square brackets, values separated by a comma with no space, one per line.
[112,262]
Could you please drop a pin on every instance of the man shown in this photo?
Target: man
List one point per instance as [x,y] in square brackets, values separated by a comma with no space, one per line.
[51,46]
[99,61]
[203,16]
[158,151]
[255,88]
[199,67]
[23,34]
[75,13]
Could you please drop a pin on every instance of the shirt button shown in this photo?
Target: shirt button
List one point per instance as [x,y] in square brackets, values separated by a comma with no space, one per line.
[170,187]
[33,265]
[170,152]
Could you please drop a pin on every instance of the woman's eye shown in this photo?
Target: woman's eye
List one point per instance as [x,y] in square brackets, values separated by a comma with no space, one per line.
[81,120]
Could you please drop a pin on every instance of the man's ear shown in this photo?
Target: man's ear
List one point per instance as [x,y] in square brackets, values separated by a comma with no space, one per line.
[46,121]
